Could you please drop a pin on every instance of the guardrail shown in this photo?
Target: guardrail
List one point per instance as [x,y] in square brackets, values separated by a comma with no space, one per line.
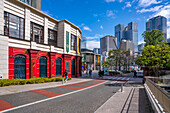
[162,96]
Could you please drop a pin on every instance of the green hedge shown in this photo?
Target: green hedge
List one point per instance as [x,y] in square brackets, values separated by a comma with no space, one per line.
[8,82]
[114,72]
[128,71]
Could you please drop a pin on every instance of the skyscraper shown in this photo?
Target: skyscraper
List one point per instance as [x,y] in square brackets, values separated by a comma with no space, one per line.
[83,42]
[129,32]
[107,43]
[158,22]
[119,33]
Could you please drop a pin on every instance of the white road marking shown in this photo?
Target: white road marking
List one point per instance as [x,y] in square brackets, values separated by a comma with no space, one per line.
[25,105]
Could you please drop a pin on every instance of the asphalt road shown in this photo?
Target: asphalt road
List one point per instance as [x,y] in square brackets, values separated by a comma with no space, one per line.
[86,101]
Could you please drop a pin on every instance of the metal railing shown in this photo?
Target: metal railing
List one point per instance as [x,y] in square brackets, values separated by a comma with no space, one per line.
[160,94]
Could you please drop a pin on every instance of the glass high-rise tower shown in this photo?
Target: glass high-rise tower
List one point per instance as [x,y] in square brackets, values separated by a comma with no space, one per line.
[158,22]
[129,32]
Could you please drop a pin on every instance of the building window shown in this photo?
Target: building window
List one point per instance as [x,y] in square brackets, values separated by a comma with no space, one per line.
[52,37]
[37,33]
[73,42]
[13,26]
[32,3]
[20,67]
[58,66]
[43,66]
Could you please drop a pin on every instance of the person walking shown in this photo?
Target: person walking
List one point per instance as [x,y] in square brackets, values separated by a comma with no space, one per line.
[66,77]
[135,73]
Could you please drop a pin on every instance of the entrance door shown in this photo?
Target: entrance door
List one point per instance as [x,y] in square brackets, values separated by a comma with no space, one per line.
[43,67]
[20,67]
[73,68]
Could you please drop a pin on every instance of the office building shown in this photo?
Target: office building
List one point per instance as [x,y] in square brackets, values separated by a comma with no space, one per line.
[158,22]
[83,42]
[127,45]
[168,40]
[129,32]
[107,43]
[90,60]
[141,48]
[119,32]
[33,44]
[97,50]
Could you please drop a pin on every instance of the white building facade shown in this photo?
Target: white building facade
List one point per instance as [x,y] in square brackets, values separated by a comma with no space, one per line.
[33,44]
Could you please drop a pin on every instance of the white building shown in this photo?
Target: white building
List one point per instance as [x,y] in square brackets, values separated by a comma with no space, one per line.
[33,44]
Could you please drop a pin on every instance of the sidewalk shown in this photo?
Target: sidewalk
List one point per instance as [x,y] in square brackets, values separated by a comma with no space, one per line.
[133,99]
[27,87]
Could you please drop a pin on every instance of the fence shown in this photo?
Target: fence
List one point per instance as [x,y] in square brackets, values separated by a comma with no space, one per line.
[160,94]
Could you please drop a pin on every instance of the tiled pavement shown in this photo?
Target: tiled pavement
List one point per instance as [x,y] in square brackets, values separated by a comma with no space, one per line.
[22,98]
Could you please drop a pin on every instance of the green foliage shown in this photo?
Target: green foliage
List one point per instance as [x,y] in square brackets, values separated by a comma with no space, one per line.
[153,37]
[155,57]
[126,71]
[118,58]
[114,72]
[106,75]
[7,82]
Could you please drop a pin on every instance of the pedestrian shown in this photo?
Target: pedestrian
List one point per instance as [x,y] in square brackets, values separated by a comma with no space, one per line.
[135,73]
[99,73]
[86,72]
[90,73]
[66,77]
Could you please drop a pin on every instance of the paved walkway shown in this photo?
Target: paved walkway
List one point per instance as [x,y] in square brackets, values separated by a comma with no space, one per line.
[27,87]
[133,99]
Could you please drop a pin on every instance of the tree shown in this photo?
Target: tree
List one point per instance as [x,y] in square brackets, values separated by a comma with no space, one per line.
[153,37]
[155,57]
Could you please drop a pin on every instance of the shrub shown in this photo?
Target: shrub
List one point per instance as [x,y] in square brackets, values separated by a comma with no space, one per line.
[7,82]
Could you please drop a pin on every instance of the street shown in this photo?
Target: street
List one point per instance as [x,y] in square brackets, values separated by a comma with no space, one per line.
[82,97]
[85,101]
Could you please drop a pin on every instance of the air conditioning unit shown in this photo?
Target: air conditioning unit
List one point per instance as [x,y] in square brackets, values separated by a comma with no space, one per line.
[1,76]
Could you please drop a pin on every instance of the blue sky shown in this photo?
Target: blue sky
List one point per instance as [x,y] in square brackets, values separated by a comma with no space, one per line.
[97,18]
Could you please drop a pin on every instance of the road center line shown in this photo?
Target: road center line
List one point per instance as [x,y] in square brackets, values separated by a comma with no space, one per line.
[25,105]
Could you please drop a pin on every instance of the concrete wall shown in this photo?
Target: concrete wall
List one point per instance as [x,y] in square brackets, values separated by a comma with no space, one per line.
[4,56]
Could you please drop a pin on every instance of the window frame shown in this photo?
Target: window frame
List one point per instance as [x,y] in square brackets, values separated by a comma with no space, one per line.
[73,46]
[52,41]
[8,25]
[37,27]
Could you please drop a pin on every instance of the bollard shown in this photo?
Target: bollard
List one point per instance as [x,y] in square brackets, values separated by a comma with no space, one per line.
[121,87]
[63,81]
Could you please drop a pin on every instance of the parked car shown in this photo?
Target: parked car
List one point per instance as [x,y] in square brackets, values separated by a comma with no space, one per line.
[139,73]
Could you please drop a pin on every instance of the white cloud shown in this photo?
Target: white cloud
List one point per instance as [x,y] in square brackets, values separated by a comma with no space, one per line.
[128,4]
[110,13]
[109,0]
[153,9]
[97,36]
[93,44]
[101,27]
[81,25]
[98,20]
[47,13]
[141,41]
[120,0]
[87,28]
[146,3]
